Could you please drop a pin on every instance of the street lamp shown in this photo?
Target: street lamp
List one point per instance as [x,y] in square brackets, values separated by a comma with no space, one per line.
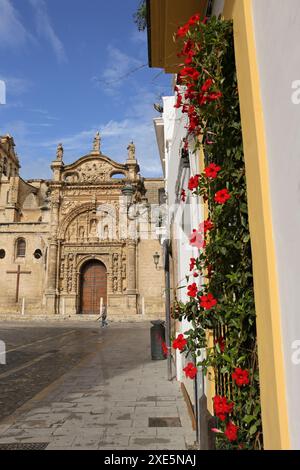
[128,191]
[156,257]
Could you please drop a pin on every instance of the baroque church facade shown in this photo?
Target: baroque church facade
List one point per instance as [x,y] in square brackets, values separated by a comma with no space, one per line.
[87,238]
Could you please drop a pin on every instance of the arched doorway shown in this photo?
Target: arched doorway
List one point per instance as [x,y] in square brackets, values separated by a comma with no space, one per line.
[93,287]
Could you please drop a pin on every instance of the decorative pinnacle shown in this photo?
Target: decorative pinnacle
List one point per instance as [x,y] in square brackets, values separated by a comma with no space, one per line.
[97,143]
[131,151]
[59,152]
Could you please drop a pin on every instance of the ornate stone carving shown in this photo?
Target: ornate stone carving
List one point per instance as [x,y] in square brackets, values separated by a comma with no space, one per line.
[70,274]
[67,206]
[116,280]
[94,171]
[71,177]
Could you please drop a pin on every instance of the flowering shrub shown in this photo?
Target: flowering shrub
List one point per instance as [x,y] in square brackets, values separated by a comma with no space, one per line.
[224,304]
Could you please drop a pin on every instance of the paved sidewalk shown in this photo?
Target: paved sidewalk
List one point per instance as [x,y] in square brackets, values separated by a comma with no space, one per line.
[106,401]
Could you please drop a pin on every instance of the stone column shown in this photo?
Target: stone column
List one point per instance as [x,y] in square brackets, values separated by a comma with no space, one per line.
[131,267]
[51,289]
[51,279]
[131,277]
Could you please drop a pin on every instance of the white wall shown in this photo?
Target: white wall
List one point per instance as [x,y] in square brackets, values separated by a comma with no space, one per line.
[191,213]
[277,34]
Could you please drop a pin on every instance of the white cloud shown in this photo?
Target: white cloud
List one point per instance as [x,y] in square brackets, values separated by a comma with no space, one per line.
[13,34]
[46,30]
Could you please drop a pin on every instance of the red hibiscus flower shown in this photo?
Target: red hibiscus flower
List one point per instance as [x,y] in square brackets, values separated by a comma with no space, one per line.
[206,226]
[197,240]
[182,31]
[194,19]
[193,182]
[222,196]
[183,195]
[190,370]
[202,99]
[214,96]
[222,407]
[231,431]
[207,301]
[178,103]
[192,263]
[164,348]
[179,343]
[190,72]
[240,376]
[212,170]
[207,85]
[193,124]
[221,342]
[192,290]
[188,48]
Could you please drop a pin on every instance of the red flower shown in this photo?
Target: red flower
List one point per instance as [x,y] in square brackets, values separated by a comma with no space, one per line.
[212,170]
[221,342]
[231,431]
[182,31]
[222,196]
[222,407]
[214,96]
[190,370]
[240,376]
[194,123]
[202,99]
[193,182]
[178,103]
[207,301]
[206,226]
[179,343]
[183,195]
[192,263]
[194,19]
[188,48]
[207,84]
[196,275]
[190,72]
[197,240]
[192,290]
[164,348]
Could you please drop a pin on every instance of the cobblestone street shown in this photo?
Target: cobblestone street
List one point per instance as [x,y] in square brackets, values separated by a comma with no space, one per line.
[87,388]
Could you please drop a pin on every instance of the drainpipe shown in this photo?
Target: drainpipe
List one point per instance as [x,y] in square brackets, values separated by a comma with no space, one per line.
[168,306]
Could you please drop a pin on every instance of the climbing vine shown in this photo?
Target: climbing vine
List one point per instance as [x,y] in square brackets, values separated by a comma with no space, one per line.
[223,302]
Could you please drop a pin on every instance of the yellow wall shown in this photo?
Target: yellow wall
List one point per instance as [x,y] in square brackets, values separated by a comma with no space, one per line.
[269,334]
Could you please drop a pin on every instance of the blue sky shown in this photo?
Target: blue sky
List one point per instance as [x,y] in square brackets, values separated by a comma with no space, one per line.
[63,63]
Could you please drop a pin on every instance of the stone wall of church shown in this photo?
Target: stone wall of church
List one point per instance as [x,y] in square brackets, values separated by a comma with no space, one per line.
[150,278]
[32,258]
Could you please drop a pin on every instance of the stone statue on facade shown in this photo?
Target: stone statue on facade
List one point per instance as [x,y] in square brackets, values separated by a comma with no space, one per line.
[131,151]
[97,143]
[59,153]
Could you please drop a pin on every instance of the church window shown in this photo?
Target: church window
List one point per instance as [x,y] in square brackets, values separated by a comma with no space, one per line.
[21,248]
[2,254]
[37,254]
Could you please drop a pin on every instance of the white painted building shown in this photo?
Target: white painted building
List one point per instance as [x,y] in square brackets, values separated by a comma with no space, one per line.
[184,216]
